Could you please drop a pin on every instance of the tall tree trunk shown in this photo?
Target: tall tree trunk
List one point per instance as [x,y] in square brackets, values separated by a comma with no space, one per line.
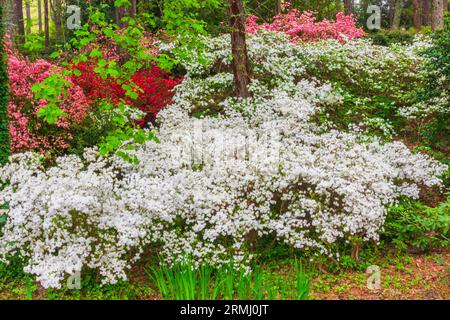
[417,14]
[56,11]
[46,25]
[437,20]
[28,11]
[39,8]
[348,6]
[398,8]
[426,9]
[240,65]
[19,19]
[278,7]
[133,9]
[9,17]
[120,13]
[391,5]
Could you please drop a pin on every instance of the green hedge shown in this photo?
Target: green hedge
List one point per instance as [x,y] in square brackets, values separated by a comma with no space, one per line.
[4,132]
[387,37]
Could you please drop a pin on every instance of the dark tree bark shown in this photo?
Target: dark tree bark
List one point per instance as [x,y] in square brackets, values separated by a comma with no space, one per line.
[426,9]
[46,25]
[348,6]
[56,10]
[18,9]
[437,20]
[417,14]
[240,65]
[120,13]
[391,5]
[39,15]
[278,7]
[133,9]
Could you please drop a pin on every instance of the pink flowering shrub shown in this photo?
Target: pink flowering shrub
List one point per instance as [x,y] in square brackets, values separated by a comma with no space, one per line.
[28,132]
[304,27]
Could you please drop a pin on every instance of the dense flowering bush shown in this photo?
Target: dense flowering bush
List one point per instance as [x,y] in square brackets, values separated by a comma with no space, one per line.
[155,88]
[27,132]
[375,82]
[304,27]
[214,185]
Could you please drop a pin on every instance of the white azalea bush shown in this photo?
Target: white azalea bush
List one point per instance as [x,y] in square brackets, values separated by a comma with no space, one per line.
[376,83]
[215,184]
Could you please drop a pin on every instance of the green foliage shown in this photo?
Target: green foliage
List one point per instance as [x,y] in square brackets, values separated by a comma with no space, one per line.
[388,37]
[52,89]
[19,285]
[182,281]
[412,224]
[116,131]
[122,136]
[34,45]
[436,90]
[4,130]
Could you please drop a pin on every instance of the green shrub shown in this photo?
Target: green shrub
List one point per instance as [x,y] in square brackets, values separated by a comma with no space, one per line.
[4,132]
[386,37]
[414,225]
[435,94]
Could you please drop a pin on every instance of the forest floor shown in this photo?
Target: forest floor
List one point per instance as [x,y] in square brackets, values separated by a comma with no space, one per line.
[402,276]
[412,276]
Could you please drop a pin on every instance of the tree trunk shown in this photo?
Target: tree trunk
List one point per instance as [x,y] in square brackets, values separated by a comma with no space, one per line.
[240,65]
[278,7]
[133,9]
[19,20]
[28,11]
[39,8]
[426,8]
[397,14]
[56,10]
[348,6]
[437,21]
[46,25]
[120,13]
[417,14]
[391,5]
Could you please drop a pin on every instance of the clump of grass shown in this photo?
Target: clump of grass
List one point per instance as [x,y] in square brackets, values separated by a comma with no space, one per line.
[184,281]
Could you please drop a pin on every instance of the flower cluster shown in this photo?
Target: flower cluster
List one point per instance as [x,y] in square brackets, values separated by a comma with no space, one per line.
[156,88]
[304,27]
[27,132]
[374,81]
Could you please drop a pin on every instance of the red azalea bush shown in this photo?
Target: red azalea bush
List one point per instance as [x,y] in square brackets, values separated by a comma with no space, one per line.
[27,131]
[304,27]
[156,85]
